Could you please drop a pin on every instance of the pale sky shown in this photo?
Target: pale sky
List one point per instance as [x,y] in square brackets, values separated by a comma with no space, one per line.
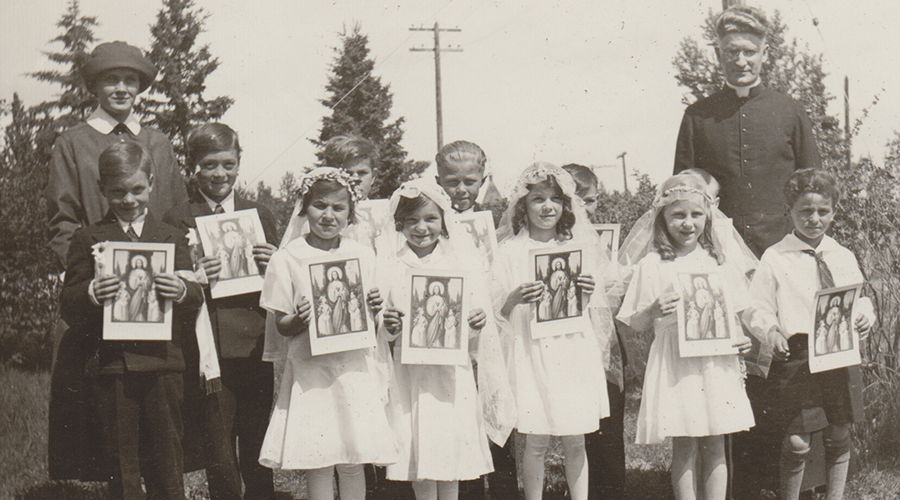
[561,81]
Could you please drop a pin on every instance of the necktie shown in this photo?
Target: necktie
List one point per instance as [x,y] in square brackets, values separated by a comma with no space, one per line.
[825,278]
[121,129]
[132,235]
[219,209]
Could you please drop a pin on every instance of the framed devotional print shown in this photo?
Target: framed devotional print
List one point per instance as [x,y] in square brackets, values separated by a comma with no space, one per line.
[480,225]
[436,329]
[705,315]
[609,237]
[561,308]
[835,341]
[339,318]
[137,312]
[230,237]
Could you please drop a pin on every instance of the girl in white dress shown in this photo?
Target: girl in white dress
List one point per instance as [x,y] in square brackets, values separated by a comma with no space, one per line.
[443,432]
[694,400]
[332,410]
[558,382]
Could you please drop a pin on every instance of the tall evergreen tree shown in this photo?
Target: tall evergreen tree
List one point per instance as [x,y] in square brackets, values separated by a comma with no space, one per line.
[790,69]
[175,103]
[75,103]
[360,105]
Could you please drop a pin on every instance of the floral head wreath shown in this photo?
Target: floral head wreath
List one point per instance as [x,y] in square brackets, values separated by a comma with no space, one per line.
[690,187]
[421,187]
[540,172]
[329,174]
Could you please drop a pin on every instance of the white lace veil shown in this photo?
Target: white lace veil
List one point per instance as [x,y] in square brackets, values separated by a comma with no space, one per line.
[726,241]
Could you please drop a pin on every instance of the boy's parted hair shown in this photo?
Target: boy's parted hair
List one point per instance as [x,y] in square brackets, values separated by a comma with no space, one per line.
[584,178]
[408,206]
[566,222]
[459,152]
[742,19]
[342,149]
[210,138]
[811,180]
[324,187]
[123,159]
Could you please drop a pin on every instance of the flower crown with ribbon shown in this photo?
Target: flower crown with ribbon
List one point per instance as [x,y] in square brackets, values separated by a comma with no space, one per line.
[329,174]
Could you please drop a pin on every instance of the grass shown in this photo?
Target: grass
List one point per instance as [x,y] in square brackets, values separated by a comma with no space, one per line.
[23,457]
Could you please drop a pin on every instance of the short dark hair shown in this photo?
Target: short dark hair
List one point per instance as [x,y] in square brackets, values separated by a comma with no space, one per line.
[742,19]
[811,180]
[324,187]
[210,138]
[584,178]
[342,149]
[123,159]
[566,222]
[408,206]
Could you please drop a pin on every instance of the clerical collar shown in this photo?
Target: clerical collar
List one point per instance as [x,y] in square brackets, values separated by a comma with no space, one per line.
[227,203]
[102,122]
[743,91]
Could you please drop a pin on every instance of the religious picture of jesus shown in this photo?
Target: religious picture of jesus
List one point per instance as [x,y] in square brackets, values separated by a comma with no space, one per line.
[230,237]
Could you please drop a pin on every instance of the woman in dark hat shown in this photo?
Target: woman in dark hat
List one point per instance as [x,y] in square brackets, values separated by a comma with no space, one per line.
[115,73]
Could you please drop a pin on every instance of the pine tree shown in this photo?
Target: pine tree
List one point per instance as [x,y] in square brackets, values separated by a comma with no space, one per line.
[790,69]
[360,105]
[75,103]
[175,103]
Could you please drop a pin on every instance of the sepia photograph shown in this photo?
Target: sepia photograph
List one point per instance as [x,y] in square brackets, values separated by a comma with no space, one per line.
[137,312]
[437,331]
[230,238]
[745,92]
[835,342]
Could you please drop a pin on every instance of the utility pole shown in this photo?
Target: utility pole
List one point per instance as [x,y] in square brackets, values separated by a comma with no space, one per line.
[437,73]
[847,119]
[624,172]
[731,3]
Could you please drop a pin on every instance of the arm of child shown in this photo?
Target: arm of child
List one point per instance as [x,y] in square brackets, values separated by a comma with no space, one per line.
[666,304]
[291,325]
[526,293]
[375,301]
[191,296]
[393,322]
[761,314]
[586,282]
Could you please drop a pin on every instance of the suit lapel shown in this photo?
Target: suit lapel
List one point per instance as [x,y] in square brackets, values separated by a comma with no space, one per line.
[153,230]
[109,230]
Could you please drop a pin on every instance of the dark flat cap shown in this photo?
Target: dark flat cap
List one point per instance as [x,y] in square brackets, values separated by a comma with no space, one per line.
[113,55]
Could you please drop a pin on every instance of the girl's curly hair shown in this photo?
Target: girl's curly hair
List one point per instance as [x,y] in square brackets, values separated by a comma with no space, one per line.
[566,222]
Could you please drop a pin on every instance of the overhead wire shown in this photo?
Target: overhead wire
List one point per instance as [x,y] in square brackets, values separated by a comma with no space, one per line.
[378,64]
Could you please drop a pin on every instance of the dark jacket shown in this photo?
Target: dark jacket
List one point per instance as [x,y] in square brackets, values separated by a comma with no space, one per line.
[111,357]
[238,323]
[751,146]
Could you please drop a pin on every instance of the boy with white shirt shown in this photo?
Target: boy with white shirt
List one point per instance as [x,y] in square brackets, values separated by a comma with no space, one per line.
[781,309]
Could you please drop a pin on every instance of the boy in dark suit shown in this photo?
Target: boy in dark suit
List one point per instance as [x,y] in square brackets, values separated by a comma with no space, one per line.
[137,384]
[240,410]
